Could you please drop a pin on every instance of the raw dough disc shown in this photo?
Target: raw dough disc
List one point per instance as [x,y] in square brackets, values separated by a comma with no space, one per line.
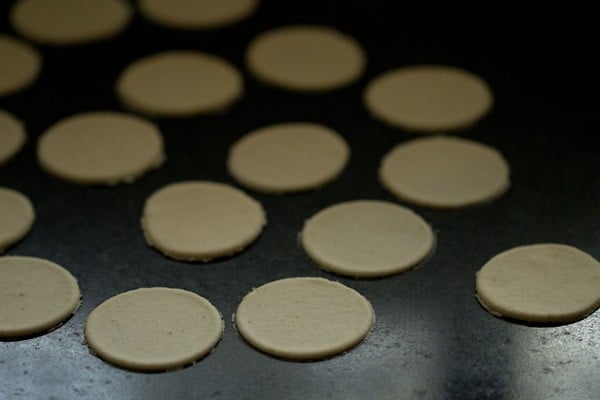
[12,136]
[37,295]
[288,157]
[179,83]
[100,147]
[19,66]
[196,14]
[16,217]
[366,238]
[201,220]
[540,283]
[305,58]
[428,98]
[154,329]
[69,22]
[304,318]
[444,172]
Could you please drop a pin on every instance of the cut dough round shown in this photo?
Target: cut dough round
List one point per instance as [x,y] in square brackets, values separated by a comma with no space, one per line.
[428,98]
[20,64]
[305,58]
[201,220]
[196,14]
[304,318]
[69,22]
[100,147]
[366,238]
[444,172]
[288,157]
[12,136]
[154,329]
[540,283]
[16,217]
[37,295]
[179,83]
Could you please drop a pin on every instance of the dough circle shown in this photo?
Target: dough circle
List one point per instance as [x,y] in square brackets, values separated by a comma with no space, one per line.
[100,147]
[428,98]
[366,238]
[288,157]
[304,318]
[196,14]
[154,329]
[444,172]
[179,84]
[20,65]
[201,220]
[37,295]
[540,283]
[12,136]
[305,58]
[69,22]
[16,217]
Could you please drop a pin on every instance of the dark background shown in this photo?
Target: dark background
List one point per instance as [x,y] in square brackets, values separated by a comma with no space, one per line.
[432,339]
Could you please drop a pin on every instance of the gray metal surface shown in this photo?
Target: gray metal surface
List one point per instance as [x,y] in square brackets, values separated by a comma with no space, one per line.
[432,339]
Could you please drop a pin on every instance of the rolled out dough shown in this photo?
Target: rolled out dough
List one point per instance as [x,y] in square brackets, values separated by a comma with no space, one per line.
[37,295]
[428,98]
[16,217]
[201,220]
[366,238]
[12,136]
[444,172]
[20,64]
[154,329]
[305,58]
[304,318]
[179,84]
[288,157]
[100,147]
[540,283]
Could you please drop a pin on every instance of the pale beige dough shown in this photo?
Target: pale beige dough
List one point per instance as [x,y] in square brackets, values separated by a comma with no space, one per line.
[201,220]
[154,329]
[304,318]
[196,14]
[428,98]
[540,283]
[366,238]
[12,136]
[37,295]
[179,84]
[20,65]
[16,217]
[305,58]
[288,157]
[444,172]
[69,22]
[100,147]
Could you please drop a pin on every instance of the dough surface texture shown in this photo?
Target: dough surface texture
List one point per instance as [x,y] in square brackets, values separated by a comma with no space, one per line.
[16,217]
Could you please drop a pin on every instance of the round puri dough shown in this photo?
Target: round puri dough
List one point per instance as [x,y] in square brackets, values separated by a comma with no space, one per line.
[12,136]
[304,318]
[154,329]
[179,83]
[366,238]
[100,147]
[444,172]
[305,58]
[69,22]
[201,220]
[428,98]
[196,14]
[19,66]
[540,283]
[288,157]
[16,217]
[37,295]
